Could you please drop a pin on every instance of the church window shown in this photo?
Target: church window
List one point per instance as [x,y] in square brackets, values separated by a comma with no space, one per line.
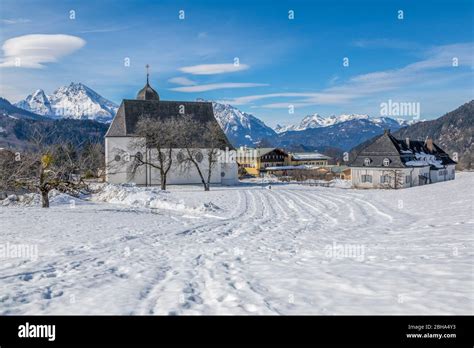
[199,156]
[180,157]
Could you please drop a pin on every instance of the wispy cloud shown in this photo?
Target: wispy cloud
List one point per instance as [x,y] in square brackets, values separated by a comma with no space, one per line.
[438,58]
[33,51]
[11,21]
[212,69]
[386,43]
[214,86]
[424,71]
[183,81]
[309,99]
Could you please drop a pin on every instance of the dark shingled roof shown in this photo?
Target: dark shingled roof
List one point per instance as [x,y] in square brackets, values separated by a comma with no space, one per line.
[397,151]
[148,93]
[130,111]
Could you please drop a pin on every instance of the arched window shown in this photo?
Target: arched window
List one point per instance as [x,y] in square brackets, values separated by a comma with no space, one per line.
[386,162]
[367,162]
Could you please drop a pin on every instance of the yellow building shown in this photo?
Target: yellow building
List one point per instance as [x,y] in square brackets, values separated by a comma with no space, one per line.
[254,161]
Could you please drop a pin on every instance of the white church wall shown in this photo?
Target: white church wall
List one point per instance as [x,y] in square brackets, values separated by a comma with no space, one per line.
[229,173]
[118,171]
[186,173]
[180,173]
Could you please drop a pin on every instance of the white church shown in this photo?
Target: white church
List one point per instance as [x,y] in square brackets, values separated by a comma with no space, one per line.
[120,143]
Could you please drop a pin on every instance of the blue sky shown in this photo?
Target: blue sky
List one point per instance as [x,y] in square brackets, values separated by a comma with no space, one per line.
[282,62]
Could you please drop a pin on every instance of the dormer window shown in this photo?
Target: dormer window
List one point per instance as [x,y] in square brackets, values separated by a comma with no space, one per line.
[367,162]
[386,162]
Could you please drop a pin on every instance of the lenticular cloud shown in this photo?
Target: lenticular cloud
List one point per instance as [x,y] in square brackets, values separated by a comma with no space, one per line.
[33,51]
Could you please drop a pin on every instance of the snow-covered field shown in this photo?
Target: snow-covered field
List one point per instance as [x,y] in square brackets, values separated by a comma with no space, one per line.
[245,250]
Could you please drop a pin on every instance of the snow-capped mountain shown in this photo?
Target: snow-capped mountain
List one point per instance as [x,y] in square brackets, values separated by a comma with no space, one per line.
[240,127]
[342,135]
[343,131]
[318,121]
[75,101]
[37,102]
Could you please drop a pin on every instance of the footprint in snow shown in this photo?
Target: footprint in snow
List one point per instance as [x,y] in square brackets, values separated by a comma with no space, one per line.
[26,277]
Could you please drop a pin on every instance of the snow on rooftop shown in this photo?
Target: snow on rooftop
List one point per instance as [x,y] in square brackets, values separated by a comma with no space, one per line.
[302,167]
[308,156]
[423,159]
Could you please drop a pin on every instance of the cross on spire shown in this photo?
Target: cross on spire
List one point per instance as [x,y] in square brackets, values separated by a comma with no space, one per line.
[147,72]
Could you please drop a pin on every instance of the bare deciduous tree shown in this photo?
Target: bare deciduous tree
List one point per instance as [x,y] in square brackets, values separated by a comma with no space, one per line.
[158,138]
[197,138]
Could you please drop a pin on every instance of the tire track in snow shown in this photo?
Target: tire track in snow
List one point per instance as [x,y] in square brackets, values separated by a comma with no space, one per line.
[219,280]
[319,212]
[212,273]
[345,203]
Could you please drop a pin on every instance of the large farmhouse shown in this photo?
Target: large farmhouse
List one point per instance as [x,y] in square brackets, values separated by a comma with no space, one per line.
[255,161]
[388,162]
[120,142]
[274,160]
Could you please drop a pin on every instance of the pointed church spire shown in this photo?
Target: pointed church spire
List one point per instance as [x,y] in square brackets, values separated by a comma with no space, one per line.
[147,73]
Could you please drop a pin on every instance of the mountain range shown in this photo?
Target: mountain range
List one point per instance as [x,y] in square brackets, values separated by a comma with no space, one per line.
[240,127]
[318,121]
[18,127]
[453,132]
[344,135]
[333,134]
[75,101]
[314,132]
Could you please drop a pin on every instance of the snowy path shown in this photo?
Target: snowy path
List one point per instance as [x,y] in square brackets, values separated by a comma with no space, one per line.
[264,252]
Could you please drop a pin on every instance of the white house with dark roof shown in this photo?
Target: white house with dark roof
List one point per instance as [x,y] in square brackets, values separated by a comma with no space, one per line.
[388,162]
[119,142]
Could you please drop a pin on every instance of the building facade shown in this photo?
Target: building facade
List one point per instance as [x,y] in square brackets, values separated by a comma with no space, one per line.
[308,159]
[388,162]
[255,161]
